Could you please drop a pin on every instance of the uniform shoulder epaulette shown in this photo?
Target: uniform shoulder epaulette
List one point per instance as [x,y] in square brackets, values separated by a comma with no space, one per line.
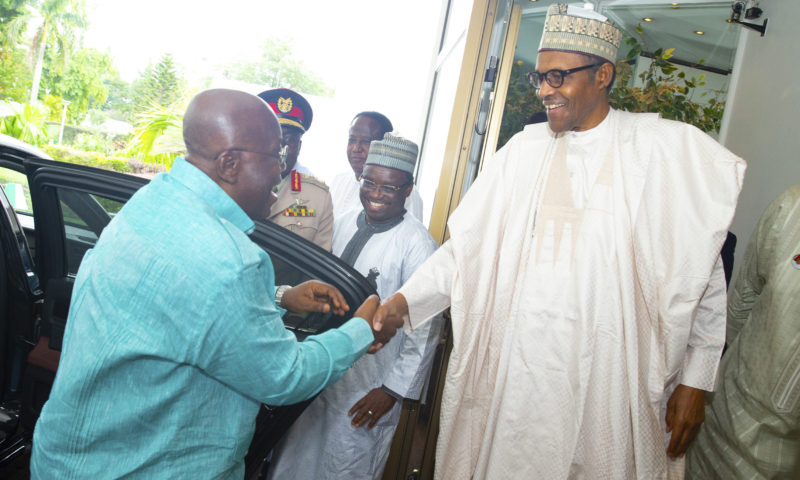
[314,180]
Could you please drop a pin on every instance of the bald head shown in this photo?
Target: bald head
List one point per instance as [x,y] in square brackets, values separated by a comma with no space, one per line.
[235,139]
[221,119]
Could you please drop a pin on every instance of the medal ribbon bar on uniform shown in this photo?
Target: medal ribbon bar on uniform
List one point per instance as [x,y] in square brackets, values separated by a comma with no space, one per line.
[296,185]
[299,211]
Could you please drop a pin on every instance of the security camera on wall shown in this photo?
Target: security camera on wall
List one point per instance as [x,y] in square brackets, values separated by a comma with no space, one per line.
[738,9]
[753,12]
[750,10]
[741,7]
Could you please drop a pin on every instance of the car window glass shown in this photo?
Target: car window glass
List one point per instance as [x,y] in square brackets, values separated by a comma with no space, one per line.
[15,185]
[71,218]
[21,243]
[84,217]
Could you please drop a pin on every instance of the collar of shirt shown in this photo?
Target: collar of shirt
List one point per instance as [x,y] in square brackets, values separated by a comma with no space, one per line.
[223,205]
[586,152]
[587,139]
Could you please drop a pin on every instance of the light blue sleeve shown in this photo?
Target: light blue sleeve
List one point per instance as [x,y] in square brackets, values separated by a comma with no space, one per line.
[246,346]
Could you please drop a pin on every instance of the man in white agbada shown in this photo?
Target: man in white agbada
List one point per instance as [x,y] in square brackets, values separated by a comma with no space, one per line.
[347,430]
[586,331]
[366,127]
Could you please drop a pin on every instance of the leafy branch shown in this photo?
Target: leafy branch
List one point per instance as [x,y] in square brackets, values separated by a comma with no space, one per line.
[154,138]
[664,89]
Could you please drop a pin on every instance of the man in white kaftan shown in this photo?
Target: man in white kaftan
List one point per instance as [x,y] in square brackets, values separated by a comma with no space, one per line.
[752,427]
[366,127]
[330,439]
[581,346]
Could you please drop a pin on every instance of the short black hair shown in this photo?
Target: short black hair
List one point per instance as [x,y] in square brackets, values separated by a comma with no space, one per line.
[384,123]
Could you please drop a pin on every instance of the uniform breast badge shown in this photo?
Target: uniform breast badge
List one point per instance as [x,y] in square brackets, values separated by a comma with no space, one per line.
[299,209]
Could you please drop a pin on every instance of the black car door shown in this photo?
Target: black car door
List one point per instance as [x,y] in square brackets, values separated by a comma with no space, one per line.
[71,206]
[19,297]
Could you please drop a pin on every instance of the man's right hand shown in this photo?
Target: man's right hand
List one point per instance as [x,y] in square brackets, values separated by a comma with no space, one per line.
[390,316]
[367,312]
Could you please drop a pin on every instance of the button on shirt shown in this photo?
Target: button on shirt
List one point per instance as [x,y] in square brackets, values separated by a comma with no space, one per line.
[172,342]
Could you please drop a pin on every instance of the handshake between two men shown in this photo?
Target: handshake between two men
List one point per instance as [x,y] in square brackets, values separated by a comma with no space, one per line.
[315,296]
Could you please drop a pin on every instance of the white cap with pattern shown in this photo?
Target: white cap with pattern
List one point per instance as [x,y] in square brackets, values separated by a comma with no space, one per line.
[580,30]
[393,152]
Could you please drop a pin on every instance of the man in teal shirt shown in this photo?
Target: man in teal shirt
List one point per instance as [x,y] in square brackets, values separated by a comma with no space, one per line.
[173,338]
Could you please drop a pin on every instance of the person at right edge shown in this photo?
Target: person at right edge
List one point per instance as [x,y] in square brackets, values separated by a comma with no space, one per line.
[752,427]
[584,278]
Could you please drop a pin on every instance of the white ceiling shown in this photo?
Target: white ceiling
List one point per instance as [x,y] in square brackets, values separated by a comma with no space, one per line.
[672,27]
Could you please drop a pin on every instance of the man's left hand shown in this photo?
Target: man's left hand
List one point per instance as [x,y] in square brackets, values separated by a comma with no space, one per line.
[371,408]
[314,296]
[685,414]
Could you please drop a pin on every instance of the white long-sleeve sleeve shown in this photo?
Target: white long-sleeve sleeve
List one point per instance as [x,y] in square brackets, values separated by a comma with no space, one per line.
[707,336]
[428,290]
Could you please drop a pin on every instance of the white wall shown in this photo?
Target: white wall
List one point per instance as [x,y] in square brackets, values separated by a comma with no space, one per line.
[762,117]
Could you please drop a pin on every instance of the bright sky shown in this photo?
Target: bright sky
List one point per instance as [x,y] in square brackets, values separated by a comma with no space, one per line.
[376,54]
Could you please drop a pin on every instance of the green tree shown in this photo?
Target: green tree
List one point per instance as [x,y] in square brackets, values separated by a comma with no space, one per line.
[277,67]
[159,103]
[165,84]
[140,90]
[119,103]
[15,76]
[159,86]
[11,24]
[60,24]
[83,82]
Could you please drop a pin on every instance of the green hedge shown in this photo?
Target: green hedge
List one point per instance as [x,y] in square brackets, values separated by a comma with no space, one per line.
[92,159]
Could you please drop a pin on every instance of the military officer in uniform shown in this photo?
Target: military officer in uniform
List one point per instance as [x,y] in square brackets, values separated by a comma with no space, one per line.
[304,203]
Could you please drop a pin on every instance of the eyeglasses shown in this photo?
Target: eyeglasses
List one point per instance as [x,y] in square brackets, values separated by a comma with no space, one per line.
[371,186]
[280,156]
[555,77]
